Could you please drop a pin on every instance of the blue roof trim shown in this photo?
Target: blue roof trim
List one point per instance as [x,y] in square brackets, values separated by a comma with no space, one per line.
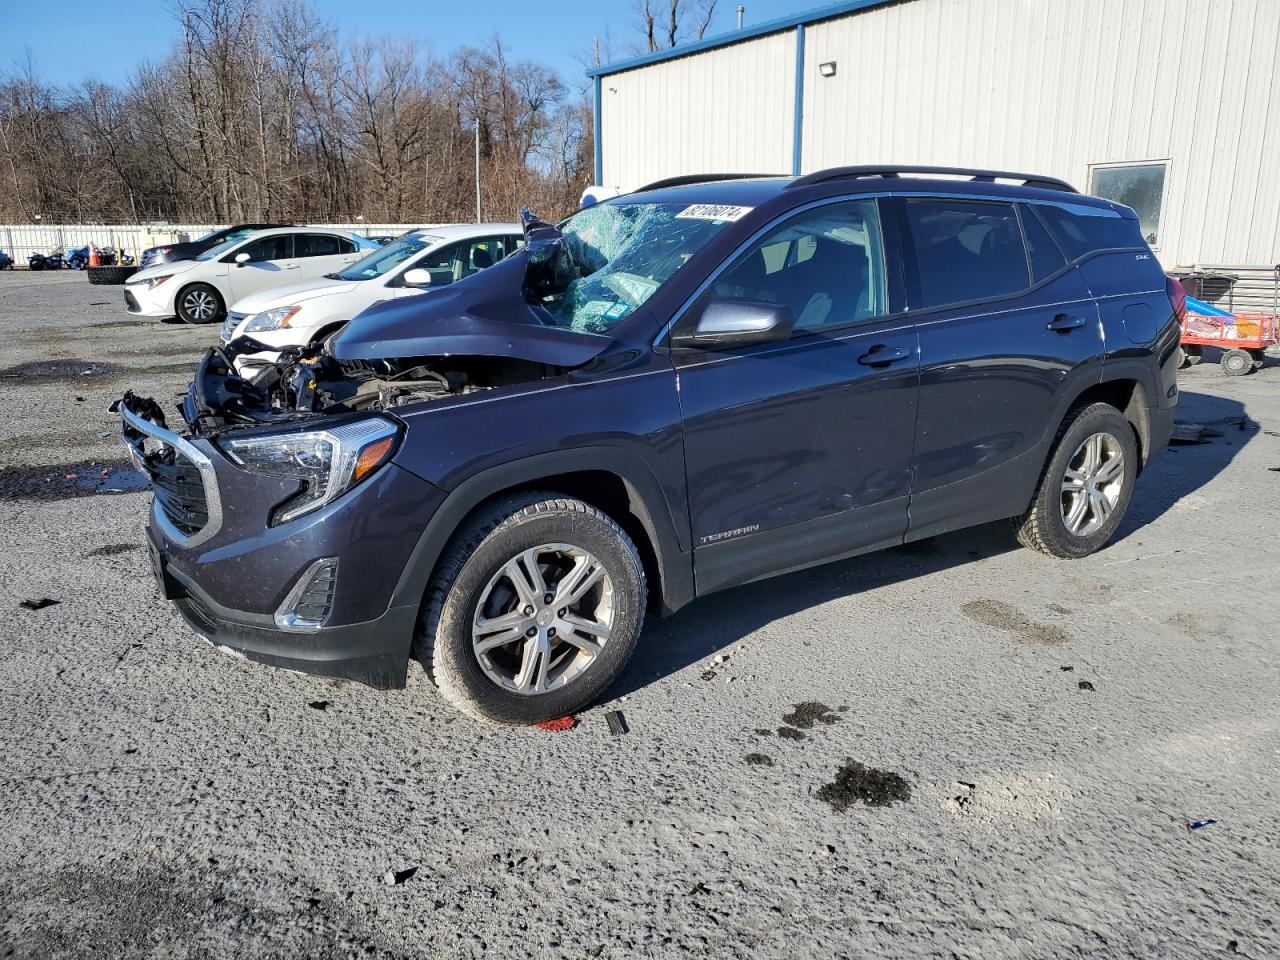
[777,25]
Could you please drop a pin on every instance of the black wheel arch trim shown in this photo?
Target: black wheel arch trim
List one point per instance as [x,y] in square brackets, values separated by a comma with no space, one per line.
[648,505]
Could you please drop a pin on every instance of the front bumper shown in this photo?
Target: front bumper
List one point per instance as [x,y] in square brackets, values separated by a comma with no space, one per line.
[142,302]
[235,579]
[375,652]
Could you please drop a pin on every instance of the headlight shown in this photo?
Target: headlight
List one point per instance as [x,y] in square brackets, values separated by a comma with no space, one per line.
[327,462]
[272,319]
[150,282]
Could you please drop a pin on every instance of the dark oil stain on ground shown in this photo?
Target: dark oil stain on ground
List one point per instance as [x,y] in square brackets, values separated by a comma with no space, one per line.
[856,783]
[758,760]
[112,324]
[60,370]
[790,733]
[113,550]
[806,714]
[64,481]
[1002,616]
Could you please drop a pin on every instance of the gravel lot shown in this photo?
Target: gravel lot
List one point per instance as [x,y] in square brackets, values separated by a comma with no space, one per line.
[1033,735]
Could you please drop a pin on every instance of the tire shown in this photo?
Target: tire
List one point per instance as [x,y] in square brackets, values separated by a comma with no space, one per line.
[110,276]
[192,303]
[1237,363]
[1046,525]
[1193,353]
[473,571]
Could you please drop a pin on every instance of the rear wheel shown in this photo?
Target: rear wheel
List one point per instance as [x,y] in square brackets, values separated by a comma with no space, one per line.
[200,303]
[1237,362]
[1086,486]
[1192,353]
[534,610]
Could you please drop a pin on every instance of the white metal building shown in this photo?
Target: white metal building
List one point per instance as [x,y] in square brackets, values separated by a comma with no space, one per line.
[1169,106]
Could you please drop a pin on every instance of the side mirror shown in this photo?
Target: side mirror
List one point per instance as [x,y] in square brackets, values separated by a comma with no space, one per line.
[417,277]
[737,323]
[242,259]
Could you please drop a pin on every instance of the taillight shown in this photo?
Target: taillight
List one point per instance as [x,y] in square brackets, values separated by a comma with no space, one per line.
[1177,297]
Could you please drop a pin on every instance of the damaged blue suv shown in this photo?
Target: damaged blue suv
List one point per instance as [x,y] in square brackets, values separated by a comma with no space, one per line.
[700,384]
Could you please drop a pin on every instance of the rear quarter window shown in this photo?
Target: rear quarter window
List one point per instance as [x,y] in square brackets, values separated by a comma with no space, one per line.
[1081,230]
[966,250]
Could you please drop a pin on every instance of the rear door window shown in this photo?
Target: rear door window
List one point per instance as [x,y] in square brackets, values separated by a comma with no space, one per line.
[1046,259]
[966,250]
[318,245]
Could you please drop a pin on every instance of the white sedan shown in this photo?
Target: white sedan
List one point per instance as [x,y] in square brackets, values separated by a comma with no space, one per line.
[198,290]
[297,314]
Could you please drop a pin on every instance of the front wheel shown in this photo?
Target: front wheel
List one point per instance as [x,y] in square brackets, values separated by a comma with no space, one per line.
[534,610]
[1086,486]
[200,303]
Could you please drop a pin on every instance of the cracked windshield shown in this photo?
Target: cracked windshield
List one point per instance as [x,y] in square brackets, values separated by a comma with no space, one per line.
[623,252]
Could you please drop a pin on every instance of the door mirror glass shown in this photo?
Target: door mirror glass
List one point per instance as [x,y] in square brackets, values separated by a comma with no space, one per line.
[417,277]
[737,323]
[242,258]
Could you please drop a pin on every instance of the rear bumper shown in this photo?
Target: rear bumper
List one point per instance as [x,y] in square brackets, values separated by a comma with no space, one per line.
[375,652]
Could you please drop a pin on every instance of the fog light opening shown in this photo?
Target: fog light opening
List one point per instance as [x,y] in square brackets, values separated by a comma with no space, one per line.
[308,603]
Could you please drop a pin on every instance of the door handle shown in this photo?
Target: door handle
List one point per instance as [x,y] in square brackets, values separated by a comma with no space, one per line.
[1065,323]
[882,356]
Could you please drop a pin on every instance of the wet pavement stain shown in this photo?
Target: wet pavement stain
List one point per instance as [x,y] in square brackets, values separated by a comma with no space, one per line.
[64,481]
[1002,616]
[59,370]
[806,714]
[790,733]
[758,760]
[856,783]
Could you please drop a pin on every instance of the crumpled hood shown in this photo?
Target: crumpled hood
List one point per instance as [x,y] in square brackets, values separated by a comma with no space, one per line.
[484,316]
[293,293]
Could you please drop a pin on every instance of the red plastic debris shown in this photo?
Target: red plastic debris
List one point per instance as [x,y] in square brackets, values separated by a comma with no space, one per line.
[558,725]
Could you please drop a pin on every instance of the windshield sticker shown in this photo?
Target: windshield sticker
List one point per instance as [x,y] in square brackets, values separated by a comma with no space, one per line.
[712,211]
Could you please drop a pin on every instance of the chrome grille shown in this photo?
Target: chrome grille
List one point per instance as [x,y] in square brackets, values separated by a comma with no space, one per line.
[183,478]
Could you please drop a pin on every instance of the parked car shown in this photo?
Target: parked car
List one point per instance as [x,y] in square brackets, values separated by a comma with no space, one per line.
[690,387]
[198,290]
[299,313]
[190,249]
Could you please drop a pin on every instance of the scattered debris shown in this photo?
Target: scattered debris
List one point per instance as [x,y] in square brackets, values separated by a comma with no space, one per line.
[721,658]
[113,549]
[1274,469]
[961,796]
[1198,824]
[856,783]
[758,760]
[38,604]
[1086,685]
[559,725]
[64,481]
[1193,433]
[762,732]
[319,704]
[313,902]
[806,714]
[617,722]
[1066,669]
[395,877]
[708,675]
[790,733]
[1233,946]
[698,888]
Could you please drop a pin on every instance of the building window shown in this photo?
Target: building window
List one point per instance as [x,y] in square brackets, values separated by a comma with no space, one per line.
[1136,185]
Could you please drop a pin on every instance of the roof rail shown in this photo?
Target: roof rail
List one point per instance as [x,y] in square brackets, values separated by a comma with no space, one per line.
[701,178]
[894,171]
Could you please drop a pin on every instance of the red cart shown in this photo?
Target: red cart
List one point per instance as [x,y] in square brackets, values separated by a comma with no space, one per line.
[1242,336]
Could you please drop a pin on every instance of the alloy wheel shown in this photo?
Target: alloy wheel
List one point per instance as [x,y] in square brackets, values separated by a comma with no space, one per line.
[1092,484]
[199,305]
[543,618]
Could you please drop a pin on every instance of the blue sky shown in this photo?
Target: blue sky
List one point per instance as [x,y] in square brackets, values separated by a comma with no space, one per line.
[75,39]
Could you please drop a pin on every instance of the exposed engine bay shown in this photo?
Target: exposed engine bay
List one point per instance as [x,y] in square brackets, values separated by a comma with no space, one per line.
[304,383]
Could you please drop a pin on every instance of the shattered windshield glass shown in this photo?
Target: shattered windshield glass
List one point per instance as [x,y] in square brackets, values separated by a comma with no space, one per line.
[622,252]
